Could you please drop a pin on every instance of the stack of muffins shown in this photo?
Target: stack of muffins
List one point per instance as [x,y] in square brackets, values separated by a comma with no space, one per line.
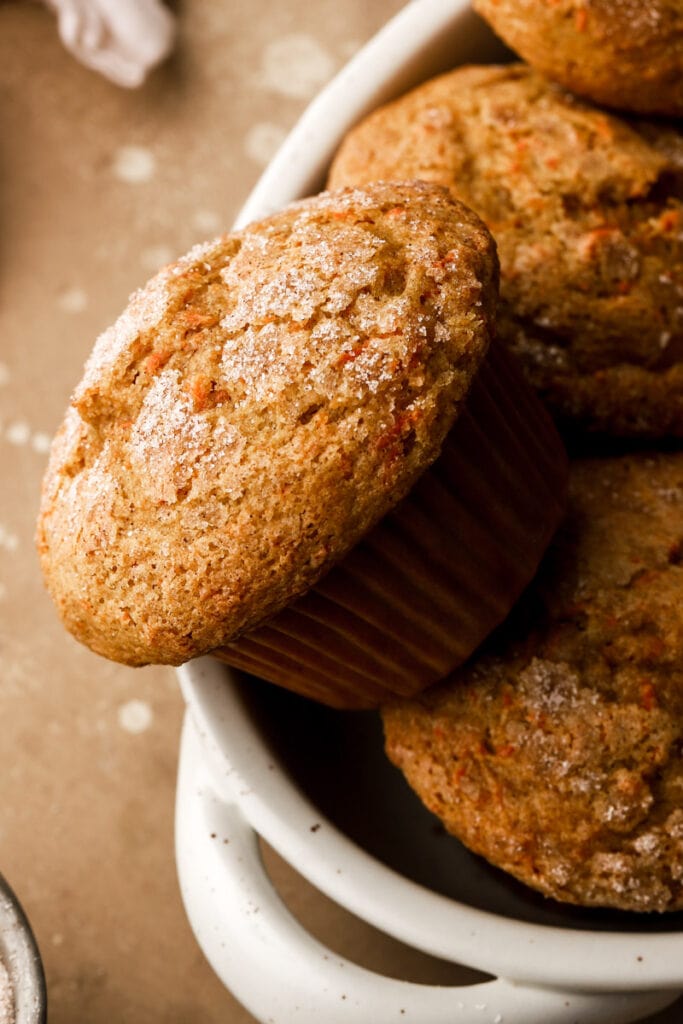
[557,751]
[326,449]
[298,450]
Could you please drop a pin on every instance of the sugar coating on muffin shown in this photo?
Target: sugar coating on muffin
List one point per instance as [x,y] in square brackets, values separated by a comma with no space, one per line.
[587,212]
[258,407]
[557,753]
[623,53]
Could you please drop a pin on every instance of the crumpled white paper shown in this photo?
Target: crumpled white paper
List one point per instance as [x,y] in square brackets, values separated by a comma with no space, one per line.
[122,39]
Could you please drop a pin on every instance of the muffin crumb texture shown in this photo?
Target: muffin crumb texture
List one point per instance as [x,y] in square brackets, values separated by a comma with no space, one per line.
[622,53]
[587,212]
[259,406]
[557,752]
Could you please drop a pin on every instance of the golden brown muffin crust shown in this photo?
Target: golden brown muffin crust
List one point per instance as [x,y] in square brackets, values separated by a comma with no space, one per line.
[256,409]
[558,752]
[587,212]
[622,53]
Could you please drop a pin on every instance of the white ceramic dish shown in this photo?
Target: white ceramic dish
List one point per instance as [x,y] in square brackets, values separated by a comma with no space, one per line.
[257,761]
[242,773]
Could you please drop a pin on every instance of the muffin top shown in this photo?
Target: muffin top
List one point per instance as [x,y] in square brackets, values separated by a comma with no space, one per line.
[587,212]
[557,752]
[256,409]
[623,53]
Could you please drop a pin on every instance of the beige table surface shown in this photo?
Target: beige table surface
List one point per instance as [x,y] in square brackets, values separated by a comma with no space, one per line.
[98,187]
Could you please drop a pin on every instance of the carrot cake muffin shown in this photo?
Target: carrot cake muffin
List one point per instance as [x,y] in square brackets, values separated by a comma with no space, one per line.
[258,408]
[587,213]
[557,752]
[623,53]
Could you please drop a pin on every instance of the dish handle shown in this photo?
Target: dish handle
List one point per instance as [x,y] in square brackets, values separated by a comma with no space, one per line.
[276,969]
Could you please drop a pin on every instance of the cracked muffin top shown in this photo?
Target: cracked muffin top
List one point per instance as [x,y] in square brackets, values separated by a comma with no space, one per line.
[557,752]
[258,407]
[623,53]
[587,213]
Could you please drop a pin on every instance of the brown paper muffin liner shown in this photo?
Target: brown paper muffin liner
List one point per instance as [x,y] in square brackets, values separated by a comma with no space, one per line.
[425,587]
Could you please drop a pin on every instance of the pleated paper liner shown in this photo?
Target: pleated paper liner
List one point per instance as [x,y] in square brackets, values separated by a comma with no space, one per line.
[425,587]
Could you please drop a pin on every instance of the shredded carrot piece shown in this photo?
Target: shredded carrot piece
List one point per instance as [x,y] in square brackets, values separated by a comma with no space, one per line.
[193,320]
[393,434]
[349,355]
[200,391]
[155,361]
[506,751]
[450,257]
[669,220]
[603,128]
[581,19]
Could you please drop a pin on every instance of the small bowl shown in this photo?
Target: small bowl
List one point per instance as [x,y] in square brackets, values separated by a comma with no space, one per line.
[20,956]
